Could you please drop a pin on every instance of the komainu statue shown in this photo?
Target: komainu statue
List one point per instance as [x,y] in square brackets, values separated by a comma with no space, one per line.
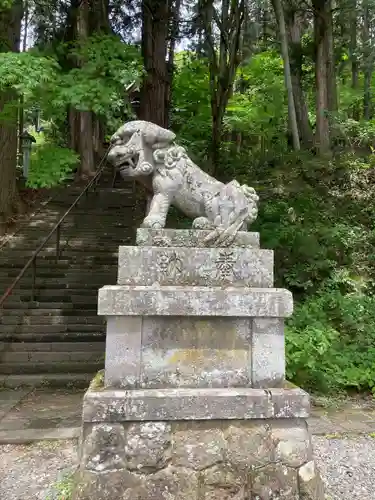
[141,149]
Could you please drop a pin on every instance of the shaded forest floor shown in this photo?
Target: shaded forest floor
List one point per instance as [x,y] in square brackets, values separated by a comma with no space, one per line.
[31,200]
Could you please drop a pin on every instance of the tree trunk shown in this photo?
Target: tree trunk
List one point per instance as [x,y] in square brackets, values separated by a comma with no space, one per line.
[332,102]
[24,48]
[223,62]
[10,32]
[279,12]
[294,27]
[322,137]
[174,16]
[86,141]
[74,129]
[155,20]
[367,61]
[353,53]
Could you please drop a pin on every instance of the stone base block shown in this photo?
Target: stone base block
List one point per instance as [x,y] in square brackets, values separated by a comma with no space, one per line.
[251,458]
[195,460]
[189,238]
[176,351]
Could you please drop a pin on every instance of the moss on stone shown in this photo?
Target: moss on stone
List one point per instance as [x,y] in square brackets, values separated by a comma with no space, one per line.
[63,489]
[97,382]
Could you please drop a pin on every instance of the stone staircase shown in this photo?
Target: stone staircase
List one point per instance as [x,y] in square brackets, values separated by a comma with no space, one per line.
[58,339]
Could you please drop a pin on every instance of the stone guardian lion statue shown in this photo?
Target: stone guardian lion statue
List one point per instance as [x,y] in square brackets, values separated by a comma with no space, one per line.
[145,151]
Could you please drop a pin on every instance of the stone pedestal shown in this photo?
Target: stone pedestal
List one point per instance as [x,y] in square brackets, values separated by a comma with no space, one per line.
[194,404]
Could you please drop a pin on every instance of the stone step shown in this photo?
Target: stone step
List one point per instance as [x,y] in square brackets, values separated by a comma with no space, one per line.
[54,347]
[113,238]
[57,380]
[64,295]
[87,303]
[58,339]
[48,329]
[56,284]
[65,261]
[48,357]
[50,367]
[76,337]
[71,248]
[70,251]
[50,317]
[104,273]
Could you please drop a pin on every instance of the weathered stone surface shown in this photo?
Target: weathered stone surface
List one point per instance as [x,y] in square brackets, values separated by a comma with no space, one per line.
[103,448]
[197,445]
[195,267]
[223,482]
[310,482]
[168,484]
[147,446]
[176,404]
[249,445]
[123,351]
[172,483]
[268,352]
[293,445]
[122,300]
[204,460]
[110,485]
[288,403]
[192,404]
[189,238]
[275,482]
[195,352]
[143,149]
[231,493]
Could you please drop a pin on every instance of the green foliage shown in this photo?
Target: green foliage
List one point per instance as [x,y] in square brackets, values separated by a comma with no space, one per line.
[260,108]
[5,4]
[331,342]
[106,67]
[63,489]
[50,165]
[318,216]
[191,118]
[103,67]
[28,73]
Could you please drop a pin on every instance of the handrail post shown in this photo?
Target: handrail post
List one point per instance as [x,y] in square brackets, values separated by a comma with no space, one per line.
[58,232]
[33,280]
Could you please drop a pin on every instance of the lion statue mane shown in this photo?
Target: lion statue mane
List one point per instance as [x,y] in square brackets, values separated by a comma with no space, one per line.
[147,152]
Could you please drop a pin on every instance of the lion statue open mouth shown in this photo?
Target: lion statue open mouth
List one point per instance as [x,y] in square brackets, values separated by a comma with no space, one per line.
[141,149]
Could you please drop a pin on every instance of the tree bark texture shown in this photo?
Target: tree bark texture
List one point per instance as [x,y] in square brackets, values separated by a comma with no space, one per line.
[155,21]
[332,101]
[367,61]
[279,11]
[353,56]
[86,140]
[322,136]
[224,58]
[10,31]
[294,26]
[174,17]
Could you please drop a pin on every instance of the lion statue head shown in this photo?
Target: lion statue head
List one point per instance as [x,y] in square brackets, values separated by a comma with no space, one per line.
[133,147]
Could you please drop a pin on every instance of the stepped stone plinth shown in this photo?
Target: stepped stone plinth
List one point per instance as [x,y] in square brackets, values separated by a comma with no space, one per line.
[194,404]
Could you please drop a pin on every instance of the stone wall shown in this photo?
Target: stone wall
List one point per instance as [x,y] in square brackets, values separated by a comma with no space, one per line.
[198,460]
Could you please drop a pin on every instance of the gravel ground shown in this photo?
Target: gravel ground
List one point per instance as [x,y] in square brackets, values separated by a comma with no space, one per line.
[347,466]
[28,472]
